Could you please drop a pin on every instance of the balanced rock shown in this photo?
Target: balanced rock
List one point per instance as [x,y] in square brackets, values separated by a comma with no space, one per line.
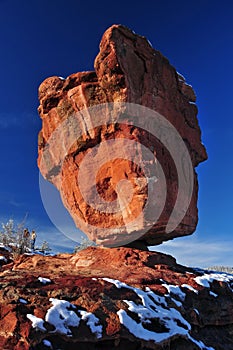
[121,144]
[113,298]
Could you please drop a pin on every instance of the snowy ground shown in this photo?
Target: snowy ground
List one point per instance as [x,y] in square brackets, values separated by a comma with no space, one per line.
[63,315]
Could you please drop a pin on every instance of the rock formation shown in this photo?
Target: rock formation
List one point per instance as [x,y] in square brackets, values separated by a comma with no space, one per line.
[113,298]
[127,71]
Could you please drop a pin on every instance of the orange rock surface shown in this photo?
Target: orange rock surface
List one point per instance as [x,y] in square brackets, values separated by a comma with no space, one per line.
[127,70]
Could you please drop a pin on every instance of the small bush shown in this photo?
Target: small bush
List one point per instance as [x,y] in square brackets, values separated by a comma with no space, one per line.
[18,239]
[44,249]
[85,243]
[12,236]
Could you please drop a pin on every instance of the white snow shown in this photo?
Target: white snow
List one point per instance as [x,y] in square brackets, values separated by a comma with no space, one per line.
[172,289]
[37,323]
[213,294]
[201,344]
[22,301]
[117,283]
[154,307]
[149,311]
[178,303]
[47,343]
[2,246]
[197,312]
[149,308]
[44,280]
[190,288]
[208,278]
[203,281]
[93,323]
[62,316]
[3,258]
[161,280]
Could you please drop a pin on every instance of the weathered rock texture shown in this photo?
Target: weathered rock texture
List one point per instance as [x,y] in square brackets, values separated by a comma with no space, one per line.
[127,69]
[195,303]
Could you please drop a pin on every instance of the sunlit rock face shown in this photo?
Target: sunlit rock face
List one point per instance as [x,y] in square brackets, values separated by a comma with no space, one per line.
[109,144]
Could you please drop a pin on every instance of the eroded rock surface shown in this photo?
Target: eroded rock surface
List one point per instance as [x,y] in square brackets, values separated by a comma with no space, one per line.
[118,298]
[127,70]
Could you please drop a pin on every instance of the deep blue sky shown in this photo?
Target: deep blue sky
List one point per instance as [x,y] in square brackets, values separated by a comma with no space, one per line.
[47,37]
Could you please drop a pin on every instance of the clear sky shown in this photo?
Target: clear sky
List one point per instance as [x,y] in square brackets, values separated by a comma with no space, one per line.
[58,37]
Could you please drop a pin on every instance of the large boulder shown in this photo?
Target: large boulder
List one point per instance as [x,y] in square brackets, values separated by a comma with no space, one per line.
[120,137]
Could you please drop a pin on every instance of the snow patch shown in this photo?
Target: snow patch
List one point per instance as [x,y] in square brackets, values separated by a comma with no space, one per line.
[207,278]
[22,301]
[2,246]
[154,308]
[37,323]
[190,288]
[117,283]
[64,315]
[172,289]
[47,343]
[178,303]
[150,309]
[93,323]
[213,294]
[201,344]
[3,258]
[44,280]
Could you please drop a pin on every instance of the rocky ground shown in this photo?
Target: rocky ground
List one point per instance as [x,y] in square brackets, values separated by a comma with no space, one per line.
[112,298]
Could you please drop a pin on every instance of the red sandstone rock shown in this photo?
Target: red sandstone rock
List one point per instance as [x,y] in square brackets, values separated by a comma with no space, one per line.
[127,70]
[86,280]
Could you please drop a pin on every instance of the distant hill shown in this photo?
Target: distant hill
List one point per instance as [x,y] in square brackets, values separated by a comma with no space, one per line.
[221,269]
